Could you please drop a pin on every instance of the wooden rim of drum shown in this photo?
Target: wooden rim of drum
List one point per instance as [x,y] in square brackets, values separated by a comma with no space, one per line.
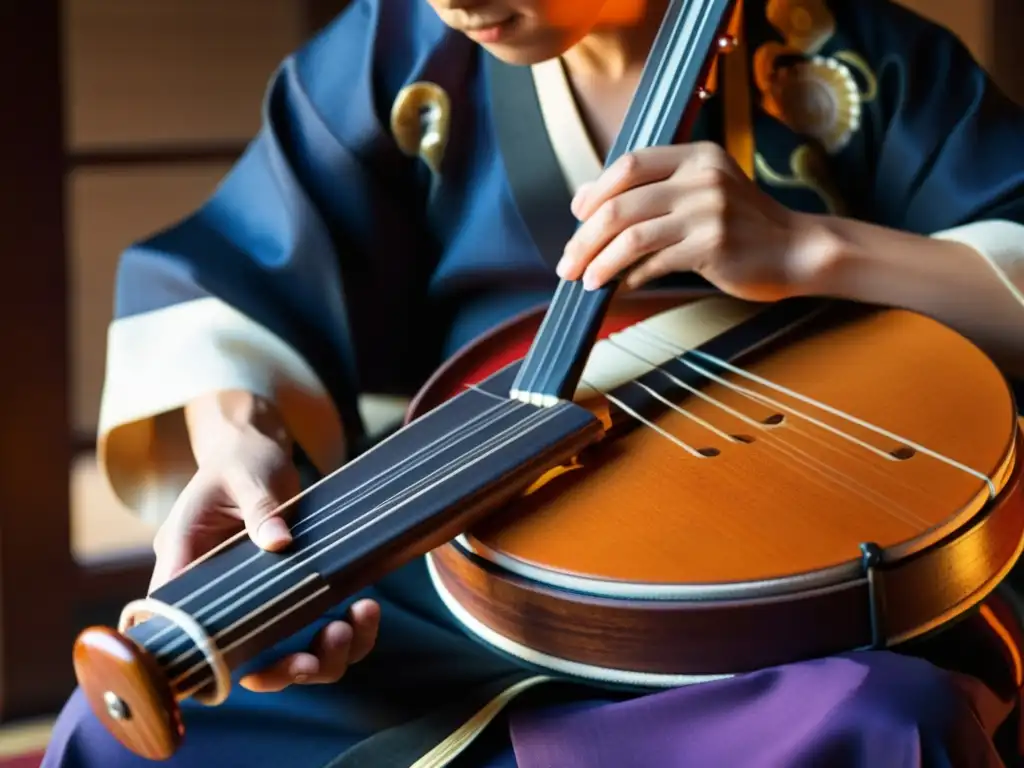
[651,643]
[552,663]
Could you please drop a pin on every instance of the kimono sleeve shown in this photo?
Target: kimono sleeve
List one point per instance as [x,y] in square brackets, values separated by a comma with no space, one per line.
[251,291]
[946,145]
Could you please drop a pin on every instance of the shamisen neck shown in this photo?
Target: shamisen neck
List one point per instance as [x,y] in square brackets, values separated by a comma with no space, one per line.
[408,495]
[687,37]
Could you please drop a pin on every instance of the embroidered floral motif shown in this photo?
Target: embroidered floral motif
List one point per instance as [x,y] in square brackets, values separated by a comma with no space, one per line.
[818,95]
[805,25]
[814,95]
[420,120]
[817,98]
[857,63]
[809,170]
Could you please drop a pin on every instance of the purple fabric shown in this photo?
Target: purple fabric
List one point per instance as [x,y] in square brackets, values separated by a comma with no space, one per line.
[860,710]
[864,710]
[867,710]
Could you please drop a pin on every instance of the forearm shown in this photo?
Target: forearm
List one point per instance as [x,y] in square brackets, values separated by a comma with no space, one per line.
[949,281]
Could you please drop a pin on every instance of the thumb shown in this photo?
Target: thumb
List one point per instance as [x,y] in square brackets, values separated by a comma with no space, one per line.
[260,496]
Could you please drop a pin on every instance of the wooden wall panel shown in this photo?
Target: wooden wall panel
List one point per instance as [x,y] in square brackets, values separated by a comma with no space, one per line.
[36,572]
[101,527]
[1008,52]
[172,71]
[970,20]
[108,210]
[991,29]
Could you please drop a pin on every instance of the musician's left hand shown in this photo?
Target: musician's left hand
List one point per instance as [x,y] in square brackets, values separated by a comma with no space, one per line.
[690,208]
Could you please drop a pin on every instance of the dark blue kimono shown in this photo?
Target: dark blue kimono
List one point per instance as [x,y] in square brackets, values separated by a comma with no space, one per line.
[371,269]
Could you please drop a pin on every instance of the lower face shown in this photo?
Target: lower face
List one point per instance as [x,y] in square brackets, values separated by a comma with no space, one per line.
[522,32]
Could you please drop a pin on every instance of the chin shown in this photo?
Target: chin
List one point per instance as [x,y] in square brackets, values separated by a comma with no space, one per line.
[531,49]
[521,56]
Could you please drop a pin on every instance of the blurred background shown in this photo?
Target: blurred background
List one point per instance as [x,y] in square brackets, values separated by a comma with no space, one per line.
[121,116]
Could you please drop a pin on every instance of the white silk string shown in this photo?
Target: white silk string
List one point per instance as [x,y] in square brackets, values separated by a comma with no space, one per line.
[338,506]
[796,455]
[802,463]
[772,436]
[352,527]
[213,656]
[220,652]
[489,416]
[657,340]
[306,558]
[858,458]
[812,402]
[342,503]
[544,335]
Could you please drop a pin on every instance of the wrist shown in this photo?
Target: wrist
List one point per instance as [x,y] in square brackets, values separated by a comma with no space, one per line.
[218,419]
[868,263]
[819,255]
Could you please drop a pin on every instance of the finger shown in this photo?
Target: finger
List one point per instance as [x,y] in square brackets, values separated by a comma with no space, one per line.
[700,239]
[291,669]
[630,247]
[364,617]
[333,647]
[646,166]
[581,192]
[327,662]
[173,546]
[166,568]
[688,255]
[633,169]
[614,217]
[260,496]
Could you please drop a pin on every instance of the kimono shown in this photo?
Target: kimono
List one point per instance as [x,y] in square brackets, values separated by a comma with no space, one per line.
[331,263]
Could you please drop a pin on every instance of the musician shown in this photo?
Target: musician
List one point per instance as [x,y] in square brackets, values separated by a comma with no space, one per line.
[857,152]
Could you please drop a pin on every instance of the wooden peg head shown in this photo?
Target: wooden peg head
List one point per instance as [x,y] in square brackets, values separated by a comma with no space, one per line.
[127,692]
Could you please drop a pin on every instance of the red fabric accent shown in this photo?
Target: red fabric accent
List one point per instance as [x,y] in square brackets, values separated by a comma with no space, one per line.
[31,760]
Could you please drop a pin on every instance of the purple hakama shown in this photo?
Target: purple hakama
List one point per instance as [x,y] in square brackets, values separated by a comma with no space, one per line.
[872,709]
[866,710]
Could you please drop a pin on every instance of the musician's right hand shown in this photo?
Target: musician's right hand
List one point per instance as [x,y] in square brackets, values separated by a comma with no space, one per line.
[245,473]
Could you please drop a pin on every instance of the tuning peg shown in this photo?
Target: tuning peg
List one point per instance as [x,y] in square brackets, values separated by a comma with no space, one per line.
[727,43]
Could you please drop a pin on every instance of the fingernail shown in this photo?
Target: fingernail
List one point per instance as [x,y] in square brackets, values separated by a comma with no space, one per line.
[305,667]
[590,282]
[338,633]
[273,533]
[577,200]
[566,263]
